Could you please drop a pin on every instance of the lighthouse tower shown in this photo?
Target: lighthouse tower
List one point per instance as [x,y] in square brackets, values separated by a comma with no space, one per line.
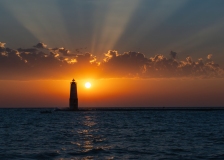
[73,100]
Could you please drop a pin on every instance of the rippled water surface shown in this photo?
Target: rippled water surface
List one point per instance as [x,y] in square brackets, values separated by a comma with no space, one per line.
[146,134]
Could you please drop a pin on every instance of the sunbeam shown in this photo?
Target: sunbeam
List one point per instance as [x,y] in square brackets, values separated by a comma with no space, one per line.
[157,13]
[146,26]
[114,24]
[200,38]
[39,19]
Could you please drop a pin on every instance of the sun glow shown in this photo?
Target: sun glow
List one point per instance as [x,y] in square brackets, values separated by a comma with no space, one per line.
[87,85]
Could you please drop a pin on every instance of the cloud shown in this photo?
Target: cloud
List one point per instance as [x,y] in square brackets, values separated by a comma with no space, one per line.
[173,54]
[40,45]
[209,57]
[126,64]
[2,45]
[86,58]
[29,50]
[42,62]
[65,52]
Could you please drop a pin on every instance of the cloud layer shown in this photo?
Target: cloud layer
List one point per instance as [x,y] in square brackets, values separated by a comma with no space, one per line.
[41,62]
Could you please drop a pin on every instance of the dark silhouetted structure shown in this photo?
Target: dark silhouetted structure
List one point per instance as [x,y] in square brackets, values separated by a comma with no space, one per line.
[73,100]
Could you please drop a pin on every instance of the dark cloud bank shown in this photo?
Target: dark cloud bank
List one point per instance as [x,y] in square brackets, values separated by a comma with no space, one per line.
[41,62]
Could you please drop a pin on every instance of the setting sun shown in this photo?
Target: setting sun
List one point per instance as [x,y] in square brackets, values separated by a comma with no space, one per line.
[87,85]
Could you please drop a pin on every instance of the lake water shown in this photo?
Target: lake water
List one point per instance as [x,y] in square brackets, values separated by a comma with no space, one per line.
[140,134]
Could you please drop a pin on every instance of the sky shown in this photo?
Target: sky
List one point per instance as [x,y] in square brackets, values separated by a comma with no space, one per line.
[135,53]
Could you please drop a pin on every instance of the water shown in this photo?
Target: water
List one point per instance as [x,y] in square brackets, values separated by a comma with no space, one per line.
[148,134]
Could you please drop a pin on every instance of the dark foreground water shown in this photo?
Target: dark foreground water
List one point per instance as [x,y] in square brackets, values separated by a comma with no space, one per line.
[147,134]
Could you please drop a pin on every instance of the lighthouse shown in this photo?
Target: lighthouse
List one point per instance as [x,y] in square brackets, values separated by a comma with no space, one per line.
[73,100]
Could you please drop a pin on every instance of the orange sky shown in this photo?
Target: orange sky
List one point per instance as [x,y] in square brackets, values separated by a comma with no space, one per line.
[114,93]
[40,77]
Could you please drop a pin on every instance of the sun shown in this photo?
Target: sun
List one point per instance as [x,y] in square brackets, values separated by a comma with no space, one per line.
[87,85]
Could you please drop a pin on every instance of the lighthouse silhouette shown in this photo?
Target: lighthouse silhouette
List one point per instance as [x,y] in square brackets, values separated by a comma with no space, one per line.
[73,100]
